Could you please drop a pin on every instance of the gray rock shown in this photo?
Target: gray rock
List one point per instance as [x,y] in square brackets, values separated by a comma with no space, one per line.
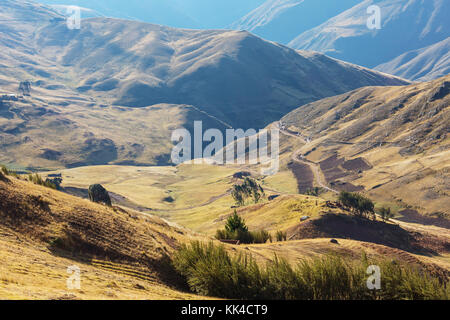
[334,241]
[99,194]
[304,218]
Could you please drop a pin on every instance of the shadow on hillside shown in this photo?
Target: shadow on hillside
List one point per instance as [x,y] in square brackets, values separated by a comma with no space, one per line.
[412,216]
[354,228]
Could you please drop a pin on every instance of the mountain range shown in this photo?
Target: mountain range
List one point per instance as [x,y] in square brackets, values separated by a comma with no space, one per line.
[234,76]
[283,20]
[422,64]
[335,28]
[405,26]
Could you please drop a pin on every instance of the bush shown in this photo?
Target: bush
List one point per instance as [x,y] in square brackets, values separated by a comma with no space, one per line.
[235,223]
[209,270]
[235,229]
[261,236]
[5,170]
[37,179]
[385,213]
[281,236]
[316,191]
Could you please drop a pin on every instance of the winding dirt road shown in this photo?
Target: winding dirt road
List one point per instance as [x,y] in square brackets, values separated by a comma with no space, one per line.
[297,157]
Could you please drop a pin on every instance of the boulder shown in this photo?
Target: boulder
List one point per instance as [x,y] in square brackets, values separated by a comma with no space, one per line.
[304,218]
[99,194]
[334,241]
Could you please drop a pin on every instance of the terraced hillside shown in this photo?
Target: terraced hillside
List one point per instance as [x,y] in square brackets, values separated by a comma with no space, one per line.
[390,142]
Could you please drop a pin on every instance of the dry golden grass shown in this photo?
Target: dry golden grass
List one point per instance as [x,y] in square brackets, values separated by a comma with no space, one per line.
[120,252]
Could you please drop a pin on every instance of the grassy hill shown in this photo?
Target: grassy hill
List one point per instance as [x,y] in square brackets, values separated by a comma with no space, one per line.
[121,253]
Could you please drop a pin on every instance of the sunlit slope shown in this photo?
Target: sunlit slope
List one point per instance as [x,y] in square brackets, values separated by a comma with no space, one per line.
[404,26]
[120,252]
[391,142]
[423,64]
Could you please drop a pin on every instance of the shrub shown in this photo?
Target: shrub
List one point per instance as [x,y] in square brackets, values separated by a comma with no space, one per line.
[209,270]
[8,172]
[37,179]
[235,229]
[260,236]
[385,213]
[316,191]
[281,236]
[235,223]
[5,170]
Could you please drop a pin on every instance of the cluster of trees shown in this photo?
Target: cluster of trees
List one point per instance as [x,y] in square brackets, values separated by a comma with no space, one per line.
[358,204]
[363,207]
[236,229]
[249,188]
[316,191]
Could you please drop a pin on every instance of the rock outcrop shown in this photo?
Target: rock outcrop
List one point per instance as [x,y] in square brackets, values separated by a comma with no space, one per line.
[99,194]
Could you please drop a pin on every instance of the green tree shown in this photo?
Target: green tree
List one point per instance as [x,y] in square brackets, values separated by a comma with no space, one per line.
[235,224]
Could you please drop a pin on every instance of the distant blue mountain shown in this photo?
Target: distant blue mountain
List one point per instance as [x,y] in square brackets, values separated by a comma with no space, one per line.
[205,14]
[283,20]
[405,25]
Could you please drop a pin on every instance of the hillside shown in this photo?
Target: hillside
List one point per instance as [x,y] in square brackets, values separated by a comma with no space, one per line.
[405,26]
[423,64]
[391,142]
[121,253]
[177,195]
[283,20]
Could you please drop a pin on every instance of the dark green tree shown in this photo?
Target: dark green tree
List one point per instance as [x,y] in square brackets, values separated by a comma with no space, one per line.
[235,224]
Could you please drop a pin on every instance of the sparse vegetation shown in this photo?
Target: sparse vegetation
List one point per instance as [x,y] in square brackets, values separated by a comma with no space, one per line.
[37,179]
[210,270]
[281,236]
